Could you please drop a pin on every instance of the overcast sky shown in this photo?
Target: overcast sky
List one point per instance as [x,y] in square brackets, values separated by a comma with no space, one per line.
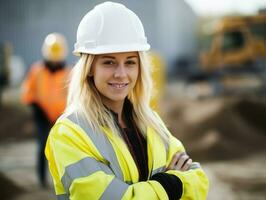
[222,7]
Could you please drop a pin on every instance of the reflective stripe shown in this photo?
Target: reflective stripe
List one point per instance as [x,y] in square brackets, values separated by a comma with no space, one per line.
[160,169]
[62,197]
[82,168]
[115,190]
[195,165]
[101,142]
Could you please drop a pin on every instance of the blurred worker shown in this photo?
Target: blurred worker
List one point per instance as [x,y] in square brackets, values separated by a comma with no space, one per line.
[44,89]
[158,77]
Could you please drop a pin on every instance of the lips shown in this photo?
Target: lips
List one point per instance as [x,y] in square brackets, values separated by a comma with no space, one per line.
[118,85]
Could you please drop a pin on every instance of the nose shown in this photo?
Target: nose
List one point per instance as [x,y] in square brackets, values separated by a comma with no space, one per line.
[120,71]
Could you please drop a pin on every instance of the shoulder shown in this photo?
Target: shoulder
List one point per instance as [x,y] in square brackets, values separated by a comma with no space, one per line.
[67,134]
[73,122]
[67,127]
[64,72]
[36,67]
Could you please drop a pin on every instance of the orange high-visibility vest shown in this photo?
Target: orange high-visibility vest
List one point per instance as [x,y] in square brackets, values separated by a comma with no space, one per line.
[47,89]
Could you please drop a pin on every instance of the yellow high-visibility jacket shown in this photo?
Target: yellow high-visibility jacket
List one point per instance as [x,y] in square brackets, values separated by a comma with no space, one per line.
[88,165]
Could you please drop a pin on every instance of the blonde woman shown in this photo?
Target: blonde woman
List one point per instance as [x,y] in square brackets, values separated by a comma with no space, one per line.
[109,144]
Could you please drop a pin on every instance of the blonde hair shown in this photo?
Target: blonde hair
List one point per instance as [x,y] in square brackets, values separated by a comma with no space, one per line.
[84,98]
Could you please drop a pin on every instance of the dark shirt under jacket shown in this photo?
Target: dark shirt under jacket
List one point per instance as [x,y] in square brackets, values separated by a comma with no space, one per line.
[137,145]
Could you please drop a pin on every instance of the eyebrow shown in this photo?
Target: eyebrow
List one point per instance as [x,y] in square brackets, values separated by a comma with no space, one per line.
[112,57]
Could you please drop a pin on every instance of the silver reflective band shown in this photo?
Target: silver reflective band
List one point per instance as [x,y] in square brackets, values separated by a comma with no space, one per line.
[195,165]
[115,190]
[101,142]
[160,169]
[62,197]
[82,168]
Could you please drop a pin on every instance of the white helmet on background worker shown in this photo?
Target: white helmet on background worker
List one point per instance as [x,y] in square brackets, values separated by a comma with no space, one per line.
[55,47]
[110,28]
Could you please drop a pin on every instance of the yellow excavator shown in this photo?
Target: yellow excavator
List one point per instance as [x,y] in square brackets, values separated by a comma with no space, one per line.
[236,53]
[236,42]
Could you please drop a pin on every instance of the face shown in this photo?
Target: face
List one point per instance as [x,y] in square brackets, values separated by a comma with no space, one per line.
[115,75]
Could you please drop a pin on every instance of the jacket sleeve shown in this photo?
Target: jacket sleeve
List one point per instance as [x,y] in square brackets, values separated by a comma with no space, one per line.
[79,172]
[195,182]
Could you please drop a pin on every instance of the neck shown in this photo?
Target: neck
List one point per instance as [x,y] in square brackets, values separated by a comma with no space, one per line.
[117,107]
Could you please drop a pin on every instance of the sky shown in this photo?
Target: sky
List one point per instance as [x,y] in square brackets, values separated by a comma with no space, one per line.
[223,7]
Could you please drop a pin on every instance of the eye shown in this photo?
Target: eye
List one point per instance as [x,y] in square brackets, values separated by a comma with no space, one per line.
[108,62]
[130,62]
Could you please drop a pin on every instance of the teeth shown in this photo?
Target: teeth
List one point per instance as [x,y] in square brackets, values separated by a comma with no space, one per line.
[118,85]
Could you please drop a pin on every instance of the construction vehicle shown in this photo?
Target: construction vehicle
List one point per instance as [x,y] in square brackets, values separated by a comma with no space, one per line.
[236,42]
[236,54]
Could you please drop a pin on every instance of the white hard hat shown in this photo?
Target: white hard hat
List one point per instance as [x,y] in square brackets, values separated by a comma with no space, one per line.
[54,47]
[110,28]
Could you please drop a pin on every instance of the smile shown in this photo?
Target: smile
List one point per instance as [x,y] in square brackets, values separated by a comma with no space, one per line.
[118,85]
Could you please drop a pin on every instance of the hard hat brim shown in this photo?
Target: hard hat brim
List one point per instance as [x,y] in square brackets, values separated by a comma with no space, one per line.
[111,49]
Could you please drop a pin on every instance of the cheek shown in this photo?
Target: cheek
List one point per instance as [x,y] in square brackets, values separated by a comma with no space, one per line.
[135,76]
[96,82]
[98,79]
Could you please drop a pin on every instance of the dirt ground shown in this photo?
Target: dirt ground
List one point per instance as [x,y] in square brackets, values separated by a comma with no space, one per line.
[226,134]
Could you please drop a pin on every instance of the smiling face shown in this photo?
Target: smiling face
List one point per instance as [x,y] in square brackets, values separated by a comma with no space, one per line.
[115,75]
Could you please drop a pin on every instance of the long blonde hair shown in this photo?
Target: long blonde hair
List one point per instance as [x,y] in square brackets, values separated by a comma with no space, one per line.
[84,98]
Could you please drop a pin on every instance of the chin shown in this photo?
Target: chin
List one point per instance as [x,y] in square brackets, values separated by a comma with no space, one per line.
[118,98]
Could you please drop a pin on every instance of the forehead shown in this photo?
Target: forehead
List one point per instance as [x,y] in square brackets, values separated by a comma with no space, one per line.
[124,55]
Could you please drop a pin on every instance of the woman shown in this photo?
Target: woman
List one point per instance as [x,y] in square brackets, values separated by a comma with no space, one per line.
[109,144]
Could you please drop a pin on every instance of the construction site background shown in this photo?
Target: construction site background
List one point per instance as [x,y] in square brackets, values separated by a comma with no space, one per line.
[211,93]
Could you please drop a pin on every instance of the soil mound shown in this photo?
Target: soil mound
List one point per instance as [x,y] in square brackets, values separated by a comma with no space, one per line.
[218,129]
